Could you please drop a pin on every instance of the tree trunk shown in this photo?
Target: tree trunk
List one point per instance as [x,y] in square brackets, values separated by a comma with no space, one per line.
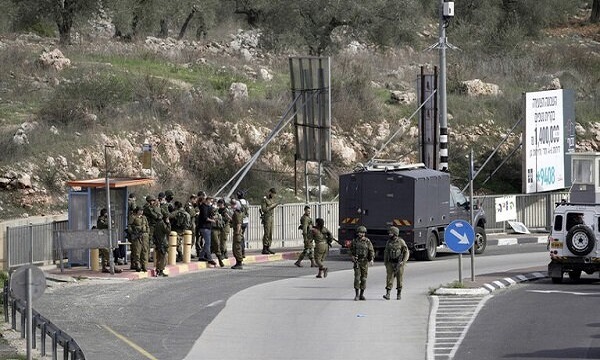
[595,16]
[164,29]
[185,24]
[64,21]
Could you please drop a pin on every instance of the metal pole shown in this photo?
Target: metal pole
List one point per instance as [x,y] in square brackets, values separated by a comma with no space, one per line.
[460,268]
[31,243]
[320,188]
[29,313]
[471,213]
[307,195]
[111,260]
[443,106]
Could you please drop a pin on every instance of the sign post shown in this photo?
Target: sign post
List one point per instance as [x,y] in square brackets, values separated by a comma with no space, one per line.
[460,237]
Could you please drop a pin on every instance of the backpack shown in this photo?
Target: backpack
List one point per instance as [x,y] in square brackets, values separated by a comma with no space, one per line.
[183,219]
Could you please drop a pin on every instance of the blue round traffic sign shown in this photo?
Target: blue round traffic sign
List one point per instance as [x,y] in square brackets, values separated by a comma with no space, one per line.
[459,236]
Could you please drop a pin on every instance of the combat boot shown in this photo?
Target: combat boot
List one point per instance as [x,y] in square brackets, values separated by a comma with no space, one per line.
[270,251]
[220,261]
[355,294]
[362,295]
[265,251]
[313,263]
[297,263]
[320,274]
[399,294]
[237,266]
[387,294]
[325,272]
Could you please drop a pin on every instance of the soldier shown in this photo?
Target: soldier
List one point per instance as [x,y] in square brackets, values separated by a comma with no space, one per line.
[215,234]
[190,207]
[246,214]
[362,253]
[162,230]
[153,214]
[226,215]
[199,239]
[180,222]
[306,225]
[236,225]
[395,257]
[140,234]
[169,197]
[323,239]
[102,223]
[267,208]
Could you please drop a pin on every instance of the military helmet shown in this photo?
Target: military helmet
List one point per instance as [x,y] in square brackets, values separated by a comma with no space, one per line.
[169,193]
[150,198]
[361,229]
[394,230]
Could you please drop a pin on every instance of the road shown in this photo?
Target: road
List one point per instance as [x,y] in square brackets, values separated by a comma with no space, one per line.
[269,310]
[554,322]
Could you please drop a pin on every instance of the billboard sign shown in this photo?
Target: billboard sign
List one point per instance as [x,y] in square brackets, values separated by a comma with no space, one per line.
[549,135]
[506,208]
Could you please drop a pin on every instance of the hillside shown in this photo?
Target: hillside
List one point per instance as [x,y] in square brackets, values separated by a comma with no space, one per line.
[60,108]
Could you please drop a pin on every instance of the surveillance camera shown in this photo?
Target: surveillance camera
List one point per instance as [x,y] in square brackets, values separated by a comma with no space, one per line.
[448,10]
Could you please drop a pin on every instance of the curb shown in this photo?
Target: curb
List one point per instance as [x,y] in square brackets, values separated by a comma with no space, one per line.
[503,241]
[488,288]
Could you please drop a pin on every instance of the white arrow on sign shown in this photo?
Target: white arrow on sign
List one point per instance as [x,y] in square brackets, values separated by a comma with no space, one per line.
[464,239]
[562,292]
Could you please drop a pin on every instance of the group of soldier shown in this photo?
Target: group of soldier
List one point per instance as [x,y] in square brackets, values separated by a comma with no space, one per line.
[317,240]
[210,223]
[208,220]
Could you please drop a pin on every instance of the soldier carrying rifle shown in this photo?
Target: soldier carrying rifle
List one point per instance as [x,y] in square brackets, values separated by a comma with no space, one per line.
[395,257]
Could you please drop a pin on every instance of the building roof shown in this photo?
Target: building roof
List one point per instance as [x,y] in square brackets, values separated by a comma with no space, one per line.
[113,182]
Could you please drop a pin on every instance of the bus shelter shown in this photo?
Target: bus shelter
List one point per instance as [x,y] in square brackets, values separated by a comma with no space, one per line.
[87,198]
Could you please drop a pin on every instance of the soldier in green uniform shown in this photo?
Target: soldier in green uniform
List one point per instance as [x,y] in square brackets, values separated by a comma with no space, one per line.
[362,253]
[102,223]
[153,214]
[226,215]
[395,257]
[140,234]
[306,224]
[190,207]
[161,245]
[180,222]
[323,239]
[267,209]
[215,235]
[236,225]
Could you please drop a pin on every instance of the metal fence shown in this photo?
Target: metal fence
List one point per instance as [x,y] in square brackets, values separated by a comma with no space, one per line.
[15,308]
[33,243]
[533,210]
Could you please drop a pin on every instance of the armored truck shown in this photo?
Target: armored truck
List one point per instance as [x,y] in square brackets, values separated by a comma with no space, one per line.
[421,202]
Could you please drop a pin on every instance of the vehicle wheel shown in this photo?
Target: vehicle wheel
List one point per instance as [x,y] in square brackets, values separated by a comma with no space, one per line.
[580,240]
[575,275]
[480,240]
[430,251]
[557,280]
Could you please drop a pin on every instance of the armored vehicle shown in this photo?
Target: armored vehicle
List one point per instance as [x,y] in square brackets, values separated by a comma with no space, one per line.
[421,202]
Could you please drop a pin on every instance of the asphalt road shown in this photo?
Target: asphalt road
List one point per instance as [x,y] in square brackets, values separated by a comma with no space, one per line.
[268,310]
[538,320]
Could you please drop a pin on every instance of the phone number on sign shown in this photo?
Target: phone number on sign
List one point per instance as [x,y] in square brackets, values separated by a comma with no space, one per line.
[546,176]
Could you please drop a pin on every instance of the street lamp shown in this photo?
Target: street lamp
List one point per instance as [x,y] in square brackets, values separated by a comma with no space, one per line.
[107,186]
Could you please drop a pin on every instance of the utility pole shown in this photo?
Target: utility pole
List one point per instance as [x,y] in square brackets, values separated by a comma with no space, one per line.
[446,12]
[111,260]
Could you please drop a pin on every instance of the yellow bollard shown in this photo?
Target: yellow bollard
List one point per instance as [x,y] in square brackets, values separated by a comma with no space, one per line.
[187,246]
[94,259]
[172,248]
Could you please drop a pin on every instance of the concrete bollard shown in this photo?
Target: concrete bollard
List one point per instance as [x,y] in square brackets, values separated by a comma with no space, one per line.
[94,259]
[172,248]
[187,246]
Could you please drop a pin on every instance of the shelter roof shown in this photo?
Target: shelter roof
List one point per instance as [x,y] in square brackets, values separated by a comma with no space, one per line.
[113,182]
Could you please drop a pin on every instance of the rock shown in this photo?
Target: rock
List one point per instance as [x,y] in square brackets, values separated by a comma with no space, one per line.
[266,75]
[477,87]
[23,181]
[20,138]
[238,91]
[54,59]
[403,97]
[53,130]
[246,55]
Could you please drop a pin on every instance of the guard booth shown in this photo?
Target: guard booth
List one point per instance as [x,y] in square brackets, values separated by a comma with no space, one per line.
[585,178]
[87,198]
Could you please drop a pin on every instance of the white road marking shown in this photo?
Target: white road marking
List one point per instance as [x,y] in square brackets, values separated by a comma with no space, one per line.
[563,292]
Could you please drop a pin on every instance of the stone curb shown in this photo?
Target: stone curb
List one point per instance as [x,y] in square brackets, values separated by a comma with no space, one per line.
[488,288]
